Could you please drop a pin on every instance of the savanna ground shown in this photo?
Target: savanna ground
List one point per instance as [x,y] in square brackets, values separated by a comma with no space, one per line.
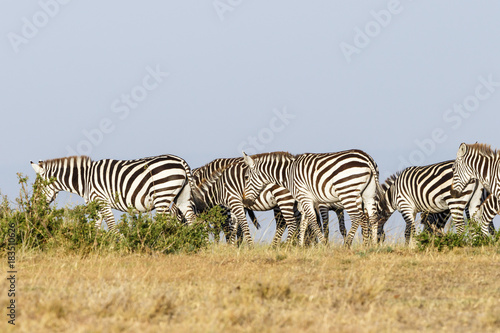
[223,288]
[161,276]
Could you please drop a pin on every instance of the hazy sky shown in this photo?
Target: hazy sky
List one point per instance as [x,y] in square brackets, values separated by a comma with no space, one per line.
[405,81]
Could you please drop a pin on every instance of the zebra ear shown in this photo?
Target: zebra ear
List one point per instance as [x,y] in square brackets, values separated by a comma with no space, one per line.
[36,167]
[462,150]
[248,160]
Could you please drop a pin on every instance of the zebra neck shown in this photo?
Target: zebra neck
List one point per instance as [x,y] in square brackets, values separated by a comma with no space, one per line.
[281,175]
[72,178]
[486,172]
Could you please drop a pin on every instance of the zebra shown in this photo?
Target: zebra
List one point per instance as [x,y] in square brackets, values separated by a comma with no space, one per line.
[479,162]
[161,182]
[207,171]
[224,187]
[348,177]
[425,189]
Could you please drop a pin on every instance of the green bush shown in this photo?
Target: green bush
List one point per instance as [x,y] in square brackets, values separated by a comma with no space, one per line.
[471,237]
[216,221]
[39,226]
[161,233]
[34,222]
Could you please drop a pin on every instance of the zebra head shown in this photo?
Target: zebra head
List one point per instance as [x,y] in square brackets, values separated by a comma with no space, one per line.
[462,172]
[48,188]
[255,182]
[385,203]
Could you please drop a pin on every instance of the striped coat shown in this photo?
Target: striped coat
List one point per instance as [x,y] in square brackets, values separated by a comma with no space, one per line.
[161,182]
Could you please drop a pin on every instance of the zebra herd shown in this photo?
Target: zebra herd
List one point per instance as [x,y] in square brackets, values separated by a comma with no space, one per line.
[300,189]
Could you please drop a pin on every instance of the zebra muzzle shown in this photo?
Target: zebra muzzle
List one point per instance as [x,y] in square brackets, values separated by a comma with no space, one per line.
[248,202]
[455,194]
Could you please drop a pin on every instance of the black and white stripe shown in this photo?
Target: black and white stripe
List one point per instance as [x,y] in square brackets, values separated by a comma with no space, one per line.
[479,162]
[348,177]
[426,189]
[206,173]
[160,182]
[487,212]
[221,182]
[339,211]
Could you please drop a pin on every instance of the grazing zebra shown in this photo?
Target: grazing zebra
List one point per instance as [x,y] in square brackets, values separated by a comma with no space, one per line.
[161,182]
[349,178]
[478,161]
[205,172]
[425,189]
[224,187]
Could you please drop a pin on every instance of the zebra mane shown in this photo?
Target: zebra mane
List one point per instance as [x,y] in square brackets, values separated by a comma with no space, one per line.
[276,154]
[380,194]
[483,149]
[390,180]
[61,160]
[215,175]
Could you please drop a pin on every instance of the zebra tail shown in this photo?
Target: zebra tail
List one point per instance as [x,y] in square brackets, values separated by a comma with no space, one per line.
[253,218]
[196,195]
[378,187]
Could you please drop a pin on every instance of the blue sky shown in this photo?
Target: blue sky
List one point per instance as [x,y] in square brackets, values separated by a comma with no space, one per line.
[406,81]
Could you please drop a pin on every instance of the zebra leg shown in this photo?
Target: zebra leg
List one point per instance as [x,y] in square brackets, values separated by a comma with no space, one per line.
[457,215]
[292,218]
[309,218]
[323,211]
[356,218]
[238,212]
[286,203]
[98,223]
[425,221]
[490,208]
[175,211]
[340,217]
[441,219]
[352,204]
[239,235]
[380,233]
[280,227]
[409,217]
[108,216]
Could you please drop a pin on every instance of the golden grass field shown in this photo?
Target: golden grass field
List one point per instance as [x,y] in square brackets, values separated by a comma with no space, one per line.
[223,288]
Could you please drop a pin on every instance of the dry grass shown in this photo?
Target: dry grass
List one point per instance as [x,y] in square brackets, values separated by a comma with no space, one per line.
[259,290]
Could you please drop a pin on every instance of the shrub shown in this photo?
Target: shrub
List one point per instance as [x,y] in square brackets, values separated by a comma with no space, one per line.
[40,226]
[35,223]
[216,221]
[161,233]
[471,237]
